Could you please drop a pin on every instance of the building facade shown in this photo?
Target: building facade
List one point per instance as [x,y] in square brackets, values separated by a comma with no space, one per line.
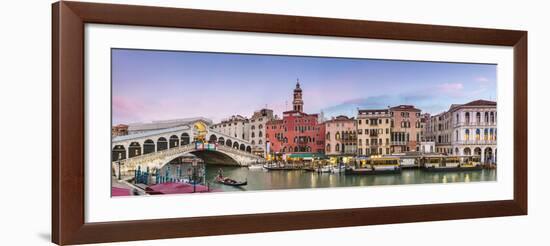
[341,136]
[235,126]
[373,132]
[296,132]
[257,131]
[467,129]
[119,130]
[406,128]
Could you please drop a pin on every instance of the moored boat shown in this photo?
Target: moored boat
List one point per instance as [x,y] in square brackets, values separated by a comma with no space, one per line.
[451,163]
[282,167]
[376,165]
[408,163]
[255,166]
[324,169]
[230,182]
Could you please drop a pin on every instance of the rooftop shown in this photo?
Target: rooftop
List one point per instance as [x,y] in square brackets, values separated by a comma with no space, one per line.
[163,124]
[340,118]
[476,103]
[405,108]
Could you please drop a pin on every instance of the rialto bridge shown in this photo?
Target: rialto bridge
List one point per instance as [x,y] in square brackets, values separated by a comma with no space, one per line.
[156,148]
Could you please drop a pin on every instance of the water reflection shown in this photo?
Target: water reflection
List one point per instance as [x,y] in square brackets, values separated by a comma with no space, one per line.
[259,179]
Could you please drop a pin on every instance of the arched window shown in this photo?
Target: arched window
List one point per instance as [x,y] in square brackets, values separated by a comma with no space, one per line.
[162,144]
[456,136]
[260,142]
[260,134]
[253,142]
[253,135]
[486,117]
[491,134]
[134,149]
[486,134]
[328,135]
[148,146]
[185,139]
[260,126]
[467,117]
[467,134]
[478,133]
[173,141]
[328,147]
[478,117]
[492,117]
[337,137]
[337,147]
[457,118]
[119,153]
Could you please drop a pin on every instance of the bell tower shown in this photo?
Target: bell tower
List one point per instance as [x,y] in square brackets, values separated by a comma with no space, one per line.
[298,103]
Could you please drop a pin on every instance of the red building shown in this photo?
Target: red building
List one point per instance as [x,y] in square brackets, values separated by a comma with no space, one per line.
[297,132]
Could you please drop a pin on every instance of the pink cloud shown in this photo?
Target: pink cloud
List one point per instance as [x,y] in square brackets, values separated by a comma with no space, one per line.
[450,87]
[126,108]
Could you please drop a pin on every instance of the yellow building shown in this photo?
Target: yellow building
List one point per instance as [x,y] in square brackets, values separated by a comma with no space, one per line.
[373,132]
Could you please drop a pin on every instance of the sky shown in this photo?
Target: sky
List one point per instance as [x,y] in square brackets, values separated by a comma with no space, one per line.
[152,85]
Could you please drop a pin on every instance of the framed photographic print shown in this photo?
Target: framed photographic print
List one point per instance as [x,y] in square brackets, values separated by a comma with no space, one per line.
[176,122]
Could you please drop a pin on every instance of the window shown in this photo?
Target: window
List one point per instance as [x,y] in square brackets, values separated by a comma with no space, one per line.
[467,134]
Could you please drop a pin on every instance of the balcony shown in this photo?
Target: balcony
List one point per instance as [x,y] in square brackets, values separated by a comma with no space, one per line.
[476,142]
[475,123]
[398,142]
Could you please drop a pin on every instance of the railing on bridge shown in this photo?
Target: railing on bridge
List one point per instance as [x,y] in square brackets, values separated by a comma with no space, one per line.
[236,151]
[153,156]
[150,157]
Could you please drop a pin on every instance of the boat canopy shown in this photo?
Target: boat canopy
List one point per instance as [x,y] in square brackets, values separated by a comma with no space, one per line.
[308,155]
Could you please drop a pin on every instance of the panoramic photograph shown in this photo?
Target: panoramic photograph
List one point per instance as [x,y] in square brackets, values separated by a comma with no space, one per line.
[187,122]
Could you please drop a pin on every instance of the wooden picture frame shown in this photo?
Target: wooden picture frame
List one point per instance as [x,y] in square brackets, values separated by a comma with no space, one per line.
[68,223]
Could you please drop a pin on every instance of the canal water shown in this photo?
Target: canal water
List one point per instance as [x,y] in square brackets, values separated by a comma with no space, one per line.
[260,179]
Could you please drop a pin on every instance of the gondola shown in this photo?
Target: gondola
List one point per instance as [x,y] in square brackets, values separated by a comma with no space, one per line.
[230,182]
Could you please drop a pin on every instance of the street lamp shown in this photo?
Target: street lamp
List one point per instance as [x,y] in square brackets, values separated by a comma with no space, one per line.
[194,164]
[119,163]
